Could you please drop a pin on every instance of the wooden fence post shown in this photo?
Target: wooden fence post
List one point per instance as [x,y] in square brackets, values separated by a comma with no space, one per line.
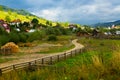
[13,67]
[80,50]
[0,51]
[0,72]
[35,62]
[51,60]
[71,53]
[29,64]
[4,51]
[9,50]
[65,56]
[58,58]
[42,60]
[75,52]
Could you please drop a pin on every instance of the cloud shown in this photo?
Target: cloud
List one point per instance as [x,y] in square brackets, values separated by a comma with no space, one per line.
[50,14]
[75,11]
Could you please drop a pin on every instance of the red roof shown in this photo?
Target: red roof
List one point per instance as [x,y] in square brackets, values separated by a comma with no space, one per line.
[16,20]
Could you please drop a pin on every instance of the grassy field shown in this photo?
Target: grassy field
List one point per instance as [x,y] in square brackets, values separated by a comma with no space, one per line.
[35,48]
[101,61]
[64,41]
[44,47]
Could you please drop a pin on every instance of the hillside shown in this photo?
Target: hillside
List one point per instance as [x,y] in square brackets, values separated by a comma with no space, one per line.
[23,15]
[107,24]
[12,14]
[21,11]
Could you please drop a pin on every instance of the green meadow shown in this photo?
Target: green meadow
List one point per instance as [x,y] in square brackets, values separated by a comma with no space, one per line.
[100,61]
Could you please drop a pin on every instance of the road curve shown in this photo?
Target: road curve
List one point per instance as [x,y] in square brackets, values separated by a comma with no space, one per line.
[32,57]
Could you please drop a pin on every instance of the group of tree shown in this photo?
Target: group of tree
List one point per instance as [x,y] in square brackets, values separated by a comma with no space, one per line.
[47,32]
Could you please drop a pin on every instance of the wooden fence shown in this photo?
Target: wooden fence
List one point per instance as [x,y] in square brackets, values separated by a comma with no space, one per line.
[6,51]
[42,61]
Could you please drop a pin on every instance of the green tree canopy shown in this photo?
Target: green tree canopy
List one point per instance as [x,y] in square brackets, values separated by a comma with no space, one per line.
[7,18]
[35,21]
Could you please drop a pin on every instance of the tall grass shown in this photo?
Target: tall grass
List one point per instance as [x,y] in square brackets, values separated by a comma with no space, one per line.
[101,61]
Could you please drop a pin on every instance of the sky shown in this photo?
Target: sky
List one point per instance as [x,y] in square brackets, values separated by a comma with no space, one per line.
[73,11]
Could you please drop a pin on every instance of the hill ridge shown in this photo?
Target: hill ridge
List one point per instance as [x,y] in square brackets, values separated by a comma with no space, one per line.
[107,24]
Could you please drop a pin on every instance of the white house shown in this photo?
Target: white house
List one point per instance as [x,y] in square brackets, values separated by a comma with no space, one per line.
[118,32]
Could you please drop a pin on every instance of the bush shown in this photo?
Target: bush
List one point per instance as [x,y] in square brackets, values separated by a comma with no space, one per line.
[3,39]
[2,31]
[22,37]
[57,31]
[14,37]
[50,30]
[63,30]
[37,35]
[14,48]
[52,38]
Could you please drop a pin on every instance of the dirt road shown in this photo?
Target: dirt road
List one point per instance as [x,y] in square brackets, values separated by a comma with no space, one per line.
[31,57]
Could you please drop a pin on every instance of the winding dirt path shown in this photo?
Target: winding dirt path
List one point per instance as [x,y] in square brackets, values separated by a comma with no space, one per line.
[31,57]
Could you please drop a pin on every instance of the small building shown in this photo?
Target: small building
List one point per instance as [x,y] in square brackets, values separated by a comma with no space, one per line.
[73,27]
[118,32]
[4,25]
[16,22]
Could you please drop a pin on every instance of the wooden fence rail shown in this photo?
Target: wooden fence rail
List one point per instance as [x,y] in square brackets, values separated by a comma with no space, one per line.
[6,51]
[42,61]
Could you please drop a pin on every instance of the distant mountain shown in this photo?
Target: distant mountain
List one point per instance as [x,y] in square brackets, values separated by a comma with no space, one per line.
[107,24]
[19,11]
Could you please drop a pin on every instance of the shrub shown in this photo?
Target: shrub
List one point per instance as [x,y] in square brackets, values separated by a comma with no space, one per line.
[52,38]
[3,39]
[63,30]
[57,31]
[50,30]
[14,48]
[14,37]
[22,37]
[37,35]
[2,31]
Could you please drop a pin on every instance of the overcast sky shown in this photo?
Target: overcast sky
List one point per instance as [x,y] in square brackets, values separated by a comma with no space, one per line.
[74,11]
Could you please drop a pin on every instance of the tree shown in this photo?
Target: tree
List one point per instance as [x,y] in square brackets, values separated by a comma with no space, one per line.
[23,27]
[66,24]
[1,8]
[7,18]
[58,25]
[9,12]
[48,23]
[34,22]
[87,28]
[3,39]
[26,24]
[14,37]
[113,31]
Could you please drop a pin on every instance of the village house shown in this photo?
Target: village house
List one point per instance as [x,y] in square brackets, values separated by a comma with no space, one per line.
[4,25]
[73,27]
[15,22]
[118,32]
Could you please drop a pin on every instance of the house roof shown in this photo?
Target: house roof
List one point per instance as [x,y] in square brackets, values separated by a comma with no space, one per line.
[16,20]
